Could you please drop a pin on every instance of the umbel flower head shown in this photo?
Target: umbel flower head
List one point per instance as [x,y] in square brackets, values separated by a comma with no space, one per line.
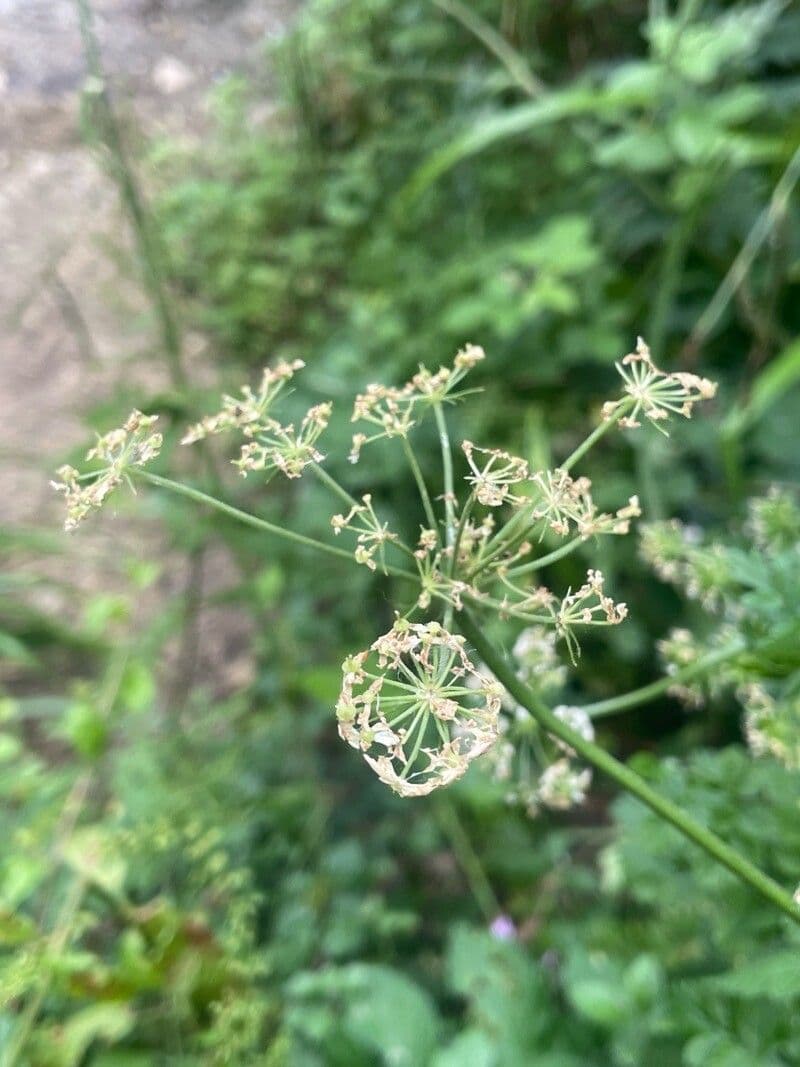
[132,445]
[493,476]
[392,411]
[655,394]
[417,708]
[565,503]
[372,535]
[270,446]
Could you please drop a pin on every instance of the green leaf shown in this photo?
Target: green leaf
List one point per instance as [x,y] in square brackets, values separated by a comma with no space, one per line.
[86,728]
[390,1014]
[776,976]
[491,129]
[473,1048]
[601,1001]
[138,688]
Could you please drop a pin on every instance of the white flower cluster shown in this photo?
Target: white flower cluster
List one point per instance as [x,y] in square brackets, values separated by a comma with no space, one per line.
[538,771]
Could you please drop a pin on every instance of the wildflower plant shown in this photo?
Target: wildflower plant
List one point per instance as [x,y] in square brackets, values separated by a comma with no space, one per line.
[435,694]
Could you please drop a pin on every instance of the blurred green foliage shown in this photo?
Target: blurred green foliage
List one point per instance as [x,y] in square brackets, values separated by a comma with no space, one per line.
[193,881]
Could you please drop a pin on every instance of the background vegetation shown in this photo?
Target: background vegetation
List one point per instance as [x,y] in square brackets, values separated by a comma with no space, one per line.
[196,879]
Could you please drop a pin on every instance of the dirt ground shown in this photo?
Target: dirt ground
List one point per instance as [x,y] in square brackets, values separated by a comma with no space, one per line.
[74,319]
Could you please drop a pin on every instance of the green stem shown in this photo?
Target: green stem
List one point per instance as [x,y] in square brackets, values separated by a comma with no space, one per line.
[503,610]
[551,557]
[599,431]
[447,468]
[706,839]
[253,520]
[430,515]
[449,492]
[647,693]
[333,485]
[496,43]
[466,511]
[468,859]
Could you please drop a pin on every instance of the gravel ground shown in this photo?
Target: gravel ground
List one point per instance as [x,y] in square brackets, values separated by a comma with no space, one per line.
[75,321]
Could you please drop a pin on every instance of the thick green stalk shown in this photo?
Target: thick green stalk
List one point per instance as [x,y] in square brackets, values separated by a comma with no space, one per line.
[706,839]
[260,524]
[468,858]
[654,689]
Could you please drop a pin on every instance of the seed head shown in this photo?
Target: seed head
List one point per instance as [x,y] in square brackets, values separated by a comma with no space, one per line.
[422,713]
[493,477]
[656,395]
[132,445]
[393,411]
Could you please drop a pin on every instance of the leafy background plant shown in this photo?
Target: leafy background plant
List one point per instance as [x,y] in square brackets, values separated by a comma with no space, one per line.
[201,879]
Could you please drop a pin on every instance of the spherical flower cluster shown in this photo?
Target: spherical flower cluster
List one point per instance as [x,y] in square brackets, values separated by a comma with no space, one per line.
[578,721]
[562,786]
[678,650]
[706,572]
[132,445]
[538,662]
[653,393]
[537,770]
[417,708]
[774,520]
